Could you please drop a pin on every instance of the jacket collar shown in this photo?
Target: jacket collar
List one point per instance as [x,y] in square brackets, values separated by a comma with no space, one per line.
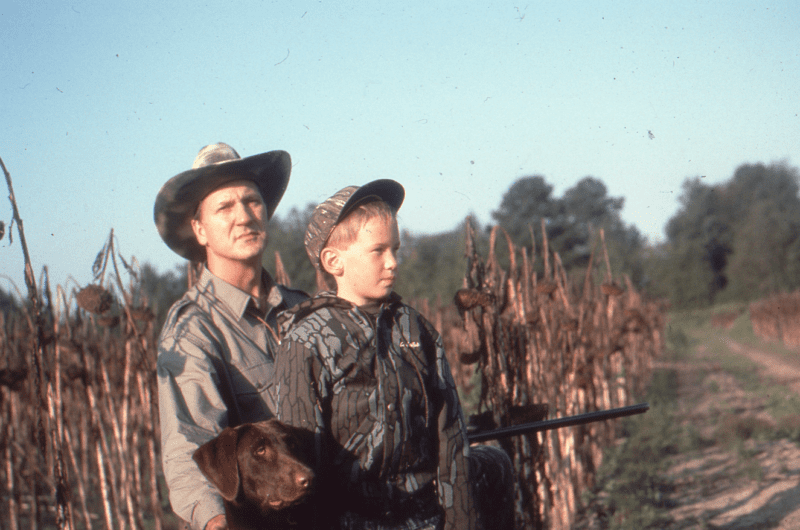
[291,316]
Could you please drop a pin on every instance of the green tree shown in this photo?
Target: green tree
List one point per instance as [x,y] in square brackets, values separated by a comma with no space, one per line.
[162,290]
[432,266]
[7,302]
[286,237]
[526,203]
[587,208]
[572,222]
[735,241]
[765,217]
[699,241]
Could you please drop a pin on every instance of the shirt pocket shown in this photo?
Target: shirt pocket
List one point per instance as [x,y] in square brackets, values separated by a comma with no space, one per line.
[250,388]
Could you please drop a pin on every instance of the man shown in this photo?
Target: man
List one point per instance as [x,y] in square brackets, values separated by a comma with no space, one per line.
[215,357]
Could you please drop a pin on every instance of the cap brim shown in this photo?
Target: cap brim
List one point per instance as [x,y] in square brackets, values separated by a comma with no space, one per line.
[389,191]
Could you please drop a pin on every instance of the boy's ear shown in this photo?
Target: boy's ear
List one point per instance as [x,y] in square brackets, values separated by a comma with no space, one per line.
[331,261]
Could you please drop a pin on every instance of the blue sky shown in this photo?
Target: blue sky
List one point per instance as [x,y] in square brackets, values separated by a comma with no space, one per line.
[102,102]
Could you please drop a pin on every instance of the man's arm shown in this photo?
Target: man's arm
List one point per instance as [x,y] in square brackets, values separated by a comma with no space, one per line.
[191,412]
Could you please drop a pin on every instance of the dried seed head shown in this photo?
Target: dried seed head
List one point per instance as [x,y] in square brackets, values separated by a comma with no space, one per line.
[109,322]
[94,299]
[611,289]
[145,314]
[546,288]
[466,299]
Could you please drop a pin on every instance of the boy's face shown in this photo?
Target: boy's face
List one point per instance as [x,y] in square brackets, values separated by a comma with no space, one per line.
[369,264]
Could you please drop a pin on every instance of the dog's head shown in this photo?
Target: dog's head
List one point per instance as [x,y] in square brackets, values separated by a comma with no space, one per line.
[262,464]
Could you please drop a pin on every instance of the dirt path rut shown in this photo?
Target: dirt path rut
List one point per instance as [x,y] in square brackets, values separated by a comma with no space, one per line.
[752,485]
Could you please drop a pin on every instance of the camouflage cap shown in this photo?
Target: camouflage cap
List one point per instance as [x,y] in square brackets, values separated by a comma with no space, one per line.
[215,165]
[328,214]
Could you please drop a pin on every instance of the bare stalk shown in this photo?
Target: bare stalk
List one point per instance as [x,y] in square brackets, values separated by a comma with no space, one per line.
[87,519]
[60,487]
[11,488]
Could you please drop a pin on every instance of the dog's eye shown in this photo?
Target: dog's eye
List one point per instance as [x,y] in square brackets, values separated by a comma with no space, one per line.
[263,451]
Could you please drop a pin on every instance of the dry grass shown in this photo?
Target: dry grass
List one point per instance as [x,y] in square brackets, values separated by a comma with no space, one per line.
[542,339]
[778,318]
[80,440]
[79,435]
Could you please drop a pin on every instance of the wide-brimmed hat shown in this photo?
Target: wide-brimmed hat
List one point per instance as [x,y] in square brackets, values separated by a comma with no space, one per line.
[215,165]
[328,214]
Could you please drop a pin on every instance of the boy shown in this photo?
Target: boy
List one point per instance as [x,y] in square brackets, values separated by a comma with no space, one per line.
[369,375]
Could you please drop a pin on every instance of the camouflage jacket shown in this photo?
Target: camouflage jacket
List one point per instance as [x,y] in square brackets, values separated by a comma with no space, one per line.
[379,393]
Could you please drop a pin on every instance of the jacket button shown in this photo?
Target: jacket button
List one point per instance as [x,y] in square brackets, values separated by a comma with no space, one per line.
[390,407]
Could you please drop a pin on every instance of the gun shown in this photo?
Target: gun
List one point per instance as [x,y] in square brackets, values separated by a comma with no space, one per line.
[558,423]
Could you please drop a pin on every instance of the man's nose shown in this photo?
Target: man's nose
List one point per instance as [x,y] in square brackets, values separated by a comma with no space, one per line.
[244,214]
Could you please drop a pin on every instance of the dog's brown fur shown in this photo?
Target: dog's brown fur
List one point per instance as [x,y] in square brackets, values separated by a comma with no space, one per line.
[261,471]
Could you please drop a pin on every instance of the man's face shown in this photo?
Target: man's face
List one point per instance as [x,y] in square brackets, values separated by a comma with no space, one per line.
[369,264]
[232,224]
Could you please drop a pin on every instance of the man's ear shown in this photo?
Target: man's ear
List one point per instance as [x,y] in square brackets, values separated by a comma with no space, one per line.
[331,261]
[199,232]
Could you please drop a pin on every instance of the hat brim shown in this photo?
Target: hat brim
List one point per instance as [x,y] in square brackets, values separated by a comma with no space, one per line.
[177,201]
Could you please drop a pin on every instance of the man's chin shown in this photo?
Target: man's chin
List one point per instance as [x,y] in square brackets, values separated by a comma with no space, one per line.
[255,247]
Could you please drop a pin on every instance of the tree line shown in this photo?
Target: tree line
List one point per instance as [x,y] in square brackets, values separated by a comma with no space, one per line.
[734,241]
[738,240]
[433,265]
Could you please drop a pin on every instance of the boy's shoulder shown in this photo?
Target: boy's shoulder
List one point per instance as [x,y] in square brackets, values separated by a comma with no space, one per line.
[402,309]
[312,312]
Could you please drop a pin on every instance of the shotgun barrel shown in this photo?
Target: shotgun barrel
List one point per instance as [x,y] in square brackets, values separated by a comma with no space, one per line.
[558,423]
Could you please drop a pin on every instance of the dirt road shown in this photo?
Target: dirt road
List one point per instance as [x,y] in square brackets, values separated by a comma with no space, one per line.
[745,484]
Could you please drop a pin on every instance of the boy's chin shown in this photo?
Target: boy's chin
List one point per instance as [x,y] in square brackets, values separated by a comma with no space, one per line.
[377,298]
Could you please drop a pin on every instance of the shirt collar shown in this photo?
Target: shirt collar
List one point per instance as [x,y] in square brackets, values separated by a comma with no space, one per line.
[236,299]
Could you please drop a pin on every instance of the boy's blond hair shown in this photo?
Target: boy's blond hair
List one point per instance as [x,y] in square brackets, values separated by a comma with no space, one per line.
[346,231]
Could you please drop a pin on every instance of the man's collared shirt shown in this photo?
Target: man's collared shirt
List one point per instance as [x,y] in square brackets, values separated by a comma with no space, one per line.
[215,363]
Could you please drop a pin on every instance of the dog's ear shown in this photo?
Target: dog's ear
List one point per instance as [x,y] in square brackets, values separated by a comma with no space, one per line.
[219,462]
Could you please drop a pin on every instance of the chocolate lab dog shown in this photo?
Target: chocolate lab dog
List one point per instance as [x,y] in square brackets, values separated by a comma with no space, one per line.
[261,472]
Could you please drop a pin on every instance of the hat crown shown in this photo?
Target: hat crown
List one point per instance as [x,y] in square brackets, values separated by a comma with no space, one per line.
[215,154]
